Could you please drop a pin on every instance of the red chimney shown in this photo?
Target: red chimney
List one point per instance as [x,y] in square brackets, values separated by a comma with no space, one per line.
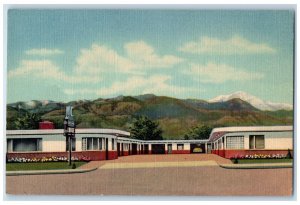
[46,125]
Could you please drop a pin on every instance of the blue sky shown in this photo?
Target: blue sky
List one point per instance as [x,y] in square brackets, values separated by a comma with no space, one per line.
[68,55]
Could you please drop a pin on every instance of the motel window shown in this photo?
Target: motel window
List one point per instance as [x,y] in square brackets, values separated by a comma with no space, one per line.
[256,141]
[219,144]
[112,144]
[25,145]
[235,142]
[95,143]
[92,143]
[9,145]
[125,146]
[179,146]
[73,144]
[100,143]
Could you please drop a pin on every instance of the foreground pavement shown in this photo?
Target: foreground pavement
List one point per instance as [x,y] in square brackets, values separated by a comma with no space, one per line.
[118,177]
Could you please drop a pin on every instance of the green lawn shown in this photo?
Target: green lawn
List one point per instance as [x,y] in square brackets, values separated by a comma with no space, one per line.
[255,161]
[40,166]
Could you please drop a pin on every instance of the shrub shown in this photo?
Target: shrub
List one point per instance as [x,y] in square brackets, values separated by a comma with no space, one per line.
[289,154]
[73,166]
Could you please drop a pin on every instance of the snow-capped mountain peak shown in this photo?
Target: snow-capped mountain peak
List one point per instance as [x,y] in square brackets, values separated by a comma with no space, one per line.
[31,104]
[254,101]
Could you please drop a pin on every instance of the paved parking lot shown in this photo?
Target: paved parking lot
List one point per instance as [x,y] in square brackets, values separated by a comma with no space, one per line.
[166,181]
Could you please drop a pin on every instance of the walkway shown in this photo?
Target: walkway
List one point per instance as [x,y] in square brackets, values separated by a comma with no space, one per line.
[160,161]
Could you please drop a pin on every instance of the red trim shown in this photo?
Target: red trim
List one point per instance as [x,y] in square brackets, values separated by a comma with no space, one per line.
[112,155]
[222,153]
[125,153]
[181,151]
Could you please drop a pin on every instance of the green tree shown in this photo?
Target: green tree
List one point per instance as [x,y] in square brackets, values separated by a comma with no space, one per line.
[27,121]
[145,129]
[198,132]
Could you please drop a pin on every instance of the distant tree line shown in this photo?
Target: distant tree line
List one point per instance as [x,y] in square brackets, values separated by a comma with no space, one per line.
[26,121]
[199,132]
[144,128]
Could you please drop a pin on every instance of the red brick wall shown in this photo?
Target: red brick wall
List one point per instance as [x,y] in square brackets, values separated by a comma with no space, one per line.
[125,153]
[46,125]
[181,151]
[222,153]
[112,155]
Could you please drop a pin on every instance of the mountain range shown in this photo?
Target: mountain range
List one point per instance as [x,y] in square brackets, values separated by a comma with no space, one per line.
[175,116]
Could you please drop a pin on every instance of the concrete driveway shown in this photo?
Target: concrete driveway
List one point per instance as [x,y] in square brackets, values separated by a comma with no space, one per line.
[163,181]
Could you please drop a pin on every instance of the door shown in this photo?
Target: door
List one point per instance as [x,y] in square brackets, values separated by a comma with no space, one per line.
[134,149]
[158,149]
[169,148]
[146,149]
[209,148]
[118,149]
[106,148]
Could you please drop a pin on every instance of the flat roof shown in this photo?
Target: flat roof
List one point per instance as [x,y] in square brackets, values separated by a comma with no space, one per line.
[61,131]
[219,132]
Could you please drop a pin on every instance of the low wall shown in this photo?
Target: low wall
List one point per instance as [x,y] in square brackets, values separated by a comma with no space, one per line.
[90,155]
[242,153]
[112,155]
[181,152]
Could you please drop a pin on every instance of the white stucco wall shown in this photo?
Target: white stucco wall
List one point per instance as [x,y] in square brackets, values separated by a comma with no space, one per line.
[174,146]
[55,143]
[273,140]
[186,146]
[279,140]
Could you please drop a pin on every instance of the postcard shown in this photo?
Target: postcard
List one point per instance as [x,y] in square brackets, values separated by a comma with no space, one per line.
[150,102]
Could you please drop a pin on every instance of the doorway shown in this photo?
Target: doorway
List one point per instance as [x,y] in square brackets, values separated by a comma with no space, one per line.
[169,148]
[106,148]
[158,149]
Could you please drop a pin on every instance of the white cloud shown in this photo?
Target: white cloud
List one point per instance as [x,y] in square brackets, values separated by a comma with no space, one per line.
[46,69]
[144,56]
[44,52]
[101,59]
[220,73]
[235,45]
[157,84]
[138,57]
[96,62]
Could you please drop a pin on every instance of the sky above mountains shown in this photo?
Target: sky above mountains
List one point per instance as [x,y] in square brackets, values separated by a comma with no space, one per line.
[65,55]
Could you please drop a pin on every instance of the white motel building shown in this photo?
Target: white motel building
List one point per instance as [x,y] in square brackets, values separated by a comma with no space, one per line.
[108,144]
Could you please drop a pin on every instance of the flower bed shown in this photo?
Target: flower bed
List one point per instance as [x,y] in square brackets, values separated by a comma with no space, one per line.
[46,159]
[265,156]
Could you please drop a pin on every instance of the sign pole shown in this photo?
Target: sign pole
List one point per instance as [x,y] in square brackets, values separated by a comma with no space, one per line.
[69,131]
[70,150]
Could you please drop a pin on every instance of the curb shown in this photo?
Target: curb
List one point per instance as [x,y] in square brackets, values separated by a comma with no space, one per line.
[256,166]
[42,172]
